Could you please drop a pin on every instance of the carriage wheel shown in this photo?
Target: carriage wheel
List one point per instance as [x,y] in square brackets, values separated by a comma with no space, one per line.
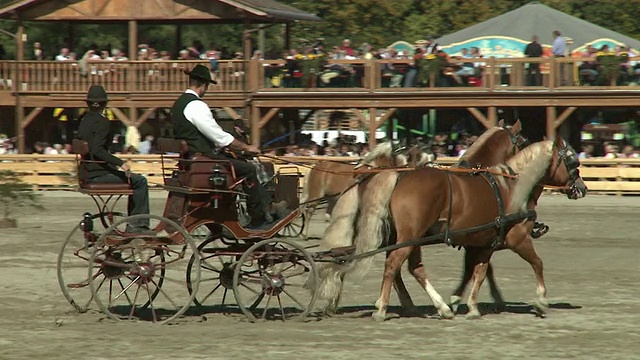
[294,228]
[275,279]
[216,278]
[73,260]
[143,274]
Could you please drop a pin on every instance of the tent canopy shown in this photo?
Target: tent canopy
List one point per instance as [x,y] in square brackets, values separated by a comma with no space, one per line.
[507,35]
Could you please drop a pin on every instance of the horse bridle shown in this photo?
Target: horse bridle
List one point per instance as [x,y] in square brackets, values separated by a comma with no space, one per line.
[518,141]
[568,156]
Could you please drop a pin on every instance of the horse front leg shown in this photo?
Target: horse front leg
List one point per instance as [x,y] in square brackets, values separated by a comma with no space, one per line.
[307,212]
[523,246]
[416,267]
[479,259]
[467,273]
[403,294]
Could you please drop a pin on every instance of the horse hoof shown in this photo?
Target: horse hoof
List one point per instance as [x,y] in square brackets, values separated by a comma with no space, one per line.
[379,317]
[446,313]
[473,315]
[454,303]
[541,306]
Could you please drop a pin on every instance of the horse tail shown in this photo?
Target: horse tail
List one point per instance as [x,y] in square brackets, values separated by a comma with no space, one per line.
[373,221]
[339,233]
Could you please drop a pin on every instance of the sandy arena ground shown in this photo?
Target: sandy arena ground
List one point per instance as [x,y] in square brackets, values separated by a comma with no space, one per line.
[591,268]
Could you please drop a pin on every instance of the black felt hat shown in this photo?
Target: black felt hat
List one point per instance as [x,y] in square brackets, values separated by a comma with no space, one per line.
[200,72]
[97,93]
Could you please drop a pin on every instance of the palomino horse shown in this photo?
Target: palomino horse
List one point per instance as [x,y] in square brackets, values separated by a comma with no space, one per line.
[491,205]
[328,179]
[492,147]
[472,199]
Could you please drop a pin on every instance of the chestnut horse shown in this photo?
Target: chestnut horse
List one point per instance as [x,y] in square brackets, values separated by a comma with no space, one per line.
[418,206]
[492,147]
[328,179]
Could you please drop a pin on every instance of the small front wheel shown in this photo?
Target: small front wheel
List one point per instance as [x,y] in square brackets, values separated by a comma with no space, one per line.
[275,279]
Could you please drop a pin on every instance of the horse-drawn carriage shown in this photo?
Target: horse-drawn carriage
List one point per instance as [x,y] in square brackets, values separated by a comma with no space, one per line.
[201,234]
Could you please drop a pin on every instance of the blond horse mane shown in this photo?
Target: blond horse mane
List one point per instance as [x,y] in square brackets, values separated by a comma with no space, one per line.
[530,164]
[479,143]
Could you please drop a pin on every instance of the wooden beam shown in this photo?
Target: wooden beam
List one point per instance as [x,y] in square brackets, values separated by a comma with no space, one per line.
[551,118]
[121,116]
[145,116]
[492,115]
[255,125]
[265,119]
[372,128]
[480,117]
[384,118]
[32,115]
[564,116]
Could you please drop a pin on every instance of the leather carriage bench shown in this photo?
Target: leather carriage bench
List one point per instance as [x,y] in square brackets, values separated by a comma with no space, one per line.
[81,149]
[193,172]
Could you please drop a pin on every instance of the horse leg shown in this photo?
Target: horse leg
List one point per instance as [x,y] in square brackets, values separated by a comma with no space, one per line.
[527,252]
[392,265]
[416,267]
[479,262]
[332,307]
[307,211]
[467,273]
[331,203]
[496,294]
[403,295]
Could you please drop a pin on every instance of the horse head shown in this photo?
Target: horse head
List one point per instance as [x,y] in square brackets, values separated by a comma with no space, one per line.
[564,170]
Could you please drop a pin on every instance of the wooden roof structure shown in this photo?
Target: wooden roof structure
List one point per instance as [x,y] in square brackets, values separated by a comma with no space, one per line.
[166,11]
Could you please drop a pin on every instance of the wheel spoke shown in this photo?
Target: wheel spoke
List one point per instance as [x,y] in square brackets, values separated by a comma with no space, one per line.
[133,306]
[266,307]
[211,293]
[153,309]
[292,298]
[281,308]
[124,289]
[125,292]
[165,294]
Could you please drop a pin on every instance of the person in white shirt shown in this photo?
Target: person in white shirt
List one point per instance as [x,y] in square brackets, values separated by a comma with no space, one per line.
[193,122]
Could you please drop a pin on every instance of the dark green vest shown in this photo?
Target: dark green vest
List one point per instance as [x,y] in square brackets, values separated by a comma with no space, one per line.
[183,129]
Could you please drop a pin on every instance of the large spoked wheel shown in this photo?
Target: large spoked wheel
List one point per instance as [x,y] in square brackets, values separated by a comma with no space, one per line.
[73,260]
[216,279]
[143,274]
[275,279]
[294,228]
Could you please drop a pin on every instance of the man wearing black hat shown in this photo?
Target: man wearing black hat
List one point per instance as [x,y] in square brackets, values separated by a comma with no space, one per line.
[102,166]
[193,121]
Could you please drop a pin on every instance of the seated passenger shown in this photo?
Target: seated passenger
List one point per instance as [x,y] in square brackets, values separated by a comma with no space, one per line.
[193,122]
[102,166]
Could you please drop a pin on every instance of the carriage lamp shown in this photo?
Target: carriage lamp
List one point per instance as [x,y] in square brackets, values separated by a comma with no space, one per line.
[218,180]
[86,224]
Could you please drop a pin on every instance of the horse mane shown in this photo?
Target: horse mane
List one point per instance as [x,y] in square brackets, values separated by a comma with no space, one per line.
[479,144]
[382,151]
[530,164]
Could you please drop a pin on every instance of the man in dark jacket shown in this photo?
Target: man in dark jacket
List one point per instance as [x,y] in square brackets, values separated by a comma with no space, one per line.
[193,121]
[534,49]
[102,166]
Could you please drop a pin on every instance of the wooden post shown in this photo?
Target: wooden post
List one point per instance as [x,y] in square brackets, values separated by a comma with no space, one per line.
[372,128]
[255,127]
[551,118]
[492,116]
[133,39]
[17,87]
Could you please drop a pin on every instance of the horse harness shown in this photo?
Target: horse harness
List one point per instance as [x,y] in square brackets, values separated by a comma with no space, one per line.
[502,221]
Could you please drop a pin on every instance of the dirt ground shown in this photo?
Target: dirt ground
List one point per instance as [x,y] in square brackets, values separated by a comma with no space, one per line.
[590,257]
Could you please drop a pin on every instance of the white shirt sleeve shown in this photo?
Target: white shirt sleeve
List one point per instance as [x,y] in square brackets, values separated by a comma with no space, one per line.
[199,114]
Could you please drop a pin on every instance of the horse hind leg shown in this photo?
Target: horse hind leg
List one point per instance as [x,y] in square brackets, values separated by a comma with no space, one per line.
[467,274]
[496,294]
[307,211]
[416,267]
[408,308]
[392,265]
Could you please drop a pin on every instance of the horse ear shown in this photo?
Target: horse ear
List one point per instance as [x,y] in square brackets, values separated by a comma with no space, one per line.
[501,123]
[517,127]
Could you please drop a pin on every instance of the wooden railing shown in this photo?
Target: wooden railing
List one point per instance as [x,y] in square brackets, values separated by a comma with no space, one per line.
[47,77]
[56,172]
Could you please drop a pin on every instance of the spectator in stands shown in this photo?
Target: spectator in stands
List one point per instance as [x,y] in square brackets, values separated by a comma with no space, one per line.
[146,145]
[37,54]
[629,152]
[586,153]
[347,49]
[63,55]
[95,130]
[533,49]
[611,151]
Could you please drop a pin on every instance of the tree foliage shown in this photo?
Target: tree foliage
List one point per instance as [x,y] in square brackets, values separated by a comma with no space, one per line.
[379,22]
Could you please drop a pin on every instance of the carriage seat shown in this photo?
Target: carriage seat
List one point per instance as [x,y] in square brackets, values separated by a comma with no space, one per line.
[81,149]
[193,171]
